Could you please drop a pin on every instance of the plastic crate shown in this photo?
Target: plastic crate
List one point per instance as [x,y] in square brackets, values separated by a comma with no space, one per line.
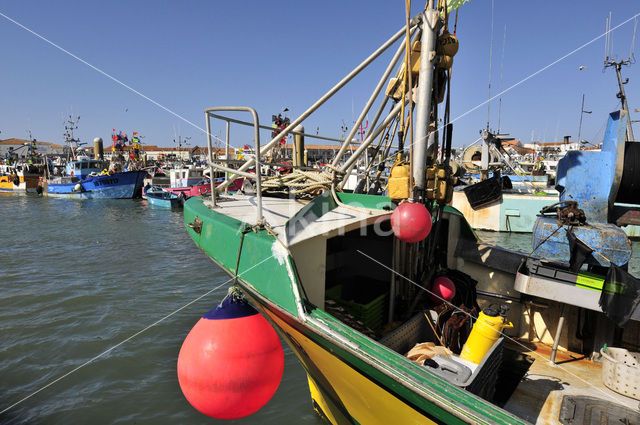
[363,298]
[484,193]
[621,371]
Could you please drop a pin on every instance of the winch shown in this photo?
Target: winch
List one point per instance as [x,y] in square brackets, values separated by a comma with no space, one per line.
[605,186]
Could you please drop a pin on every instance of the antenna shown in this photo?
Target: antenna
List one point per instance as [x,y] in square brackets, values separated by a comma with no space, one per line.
[632,57]
[606,38]
[618,64]
[490,68]
[504,40]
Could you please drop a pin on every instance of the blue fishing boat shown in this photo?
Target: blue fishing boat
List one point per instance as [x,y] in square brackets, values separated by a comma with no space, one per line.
[160,197]
[86,178]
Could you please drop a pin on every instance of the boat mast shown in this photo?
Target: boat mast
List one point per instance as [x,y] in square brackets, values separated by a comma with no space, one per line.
[622,95]
[424,140]
[610,62]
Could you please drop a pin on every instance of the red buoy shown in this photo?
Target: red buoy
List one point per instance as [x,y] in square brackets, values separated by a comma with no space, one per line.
[231,362]
[443,289]
[411,222]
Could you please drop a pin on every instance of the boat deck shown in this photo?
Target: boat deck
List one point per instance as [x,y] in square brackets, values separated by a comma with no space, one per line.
[538,396]
[278,211]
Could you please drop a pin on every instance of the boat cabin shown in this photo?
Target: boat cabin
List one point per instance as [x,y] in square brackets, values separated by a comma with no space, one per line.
[83,167]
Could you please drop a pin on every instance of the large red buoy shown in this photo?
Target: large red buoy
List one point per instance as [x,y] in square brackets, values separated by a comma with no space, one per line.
[411,222]
[231,362]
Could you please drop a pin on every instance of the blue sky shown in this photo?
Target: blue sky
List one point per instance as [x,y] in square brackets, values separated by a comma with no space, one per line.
[194,54]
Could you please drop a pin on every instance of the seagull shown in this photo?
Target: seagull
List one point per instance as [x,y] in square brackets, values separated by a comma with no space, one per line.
[581,67]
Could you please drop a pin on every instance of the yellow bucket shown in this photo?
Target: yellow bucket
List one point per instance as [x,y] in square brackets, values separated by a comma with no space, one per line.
[484,334]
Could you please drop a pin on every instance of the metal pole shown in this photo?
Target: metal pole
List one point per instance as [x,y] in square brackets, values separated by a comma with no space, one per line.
[212,180]
[423,106]
[580,127]
[260,218]
[228,141]
[348,168]
[484,156]
[323,99]
[623,98]
[256,135]
[556,339]
[370,138]
[374,95]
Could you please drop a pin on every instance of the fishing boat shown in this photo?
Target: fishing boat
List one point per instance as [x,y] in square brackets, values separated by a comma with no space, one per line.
[190,181]
[86,178]
[396,311]
[21,174]
[160,197]
[20,177]
[490,205]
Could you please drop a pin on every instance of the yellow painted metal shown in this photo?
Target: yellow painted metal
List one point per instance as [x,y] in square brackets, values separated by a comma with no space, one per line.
[399,182]
[484,334]
[324,407]
[440,183]
[6,183]
[360,398]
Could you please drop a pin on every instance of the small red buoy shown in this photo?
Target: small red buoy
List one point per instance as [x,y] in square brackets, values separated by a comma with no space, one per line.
[231,362]
[443,289]
[411,222]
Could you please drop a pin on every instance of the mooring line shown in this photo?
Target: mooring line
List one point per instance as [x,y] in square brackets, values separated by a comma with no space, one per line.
[130,338]
[109,76]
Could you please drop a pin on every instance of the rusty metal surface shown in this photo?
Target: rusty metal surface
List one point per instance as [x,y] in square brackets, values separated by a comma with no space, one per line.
[629,217]
[607,239]
[538,397]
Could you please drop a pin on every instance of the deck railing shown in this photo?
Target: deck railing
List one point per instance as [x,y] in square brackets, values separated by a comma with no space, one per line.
[256,131]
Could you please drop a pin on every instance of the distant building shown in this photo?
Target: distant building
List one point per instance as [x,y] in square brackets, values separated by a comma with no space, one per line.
[516,145]
[44,148]
[554,147]
[158,152]
[318,153]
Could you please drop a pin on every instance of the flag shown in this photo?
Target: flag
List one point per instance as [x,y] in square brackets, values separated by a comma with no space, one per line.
[579,251]
[455,4]
[620,295]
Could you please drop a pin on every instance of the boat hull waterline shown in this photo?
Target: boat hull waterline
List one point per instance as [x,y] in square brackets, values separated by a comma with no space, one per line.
[114,186]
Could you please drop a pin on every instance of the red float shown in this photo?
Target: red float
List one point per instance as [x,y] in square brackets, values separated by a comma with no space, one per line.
[231,362]
[411,222]
[443,289]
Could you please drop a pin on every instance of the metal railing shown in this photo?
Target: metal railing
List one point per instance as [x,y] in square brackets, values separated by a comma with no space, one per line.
[256,129]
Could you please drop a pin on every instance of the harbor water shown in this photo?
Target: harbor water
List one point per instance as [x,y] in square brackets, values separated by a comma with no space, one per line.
[79,278]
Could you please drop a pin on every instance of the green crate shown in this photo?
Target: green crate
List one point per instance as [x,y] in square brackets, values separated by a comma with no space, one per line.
[365,299]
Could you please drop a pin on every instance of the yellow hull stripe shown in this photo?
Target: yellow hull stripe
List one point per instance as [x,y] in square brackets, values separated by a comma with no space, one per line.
[365,402]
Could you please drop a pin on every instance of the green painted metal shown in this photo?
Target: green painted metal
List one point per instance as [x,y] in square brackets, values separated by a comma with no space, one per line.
[455,396]
[220,239]
[375,202]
